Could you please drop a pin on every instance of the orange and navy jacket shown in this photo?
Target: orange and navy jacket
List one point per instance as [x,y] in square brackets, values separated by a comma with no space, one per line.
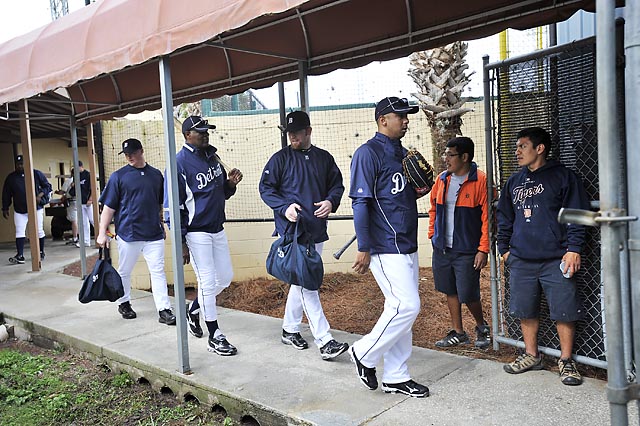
[471,231]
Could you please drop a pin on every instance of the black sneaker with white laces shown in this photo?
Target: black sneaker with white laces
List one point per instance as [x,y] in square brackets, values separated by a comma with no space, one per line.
[409,387]
[294,339]
[166,316]
[194,323]
[367,375]
[453,339]
[483,336]
[221,346]
[126,311]
[333,349]
[17,259]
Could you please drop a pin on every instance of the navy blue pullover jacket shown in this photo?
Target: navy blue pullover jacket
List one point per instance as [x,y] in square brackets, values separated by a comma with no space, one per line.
[528,209]
[304,177]
[203,188]
[15,187]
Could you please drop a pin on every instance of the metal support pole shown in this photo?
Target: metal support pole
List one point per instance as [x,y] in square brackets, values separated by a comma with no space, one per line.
[78,202]
[632,108]
[611,232]
[175,232]
[491,191]
[303,70]
[283,113]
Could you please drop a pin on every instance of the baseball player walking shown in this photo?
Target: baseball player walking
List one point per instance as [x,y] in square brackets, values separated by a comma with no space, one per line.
[385,216]
[87,213]
[302,180]
[129,197]
[15,189]
[203,186]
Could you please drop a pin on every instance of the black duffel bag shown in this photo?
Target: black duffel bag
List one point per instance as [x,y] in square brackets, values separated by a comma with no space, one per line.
[103,283]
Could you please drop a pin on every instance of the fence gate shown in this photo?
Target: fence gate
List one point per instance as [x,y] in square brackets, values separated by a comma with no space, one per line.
[554,89]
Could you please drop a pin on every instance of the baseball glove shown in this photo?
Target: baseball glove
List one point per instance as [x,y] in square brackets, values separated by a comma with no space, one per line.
[418,171]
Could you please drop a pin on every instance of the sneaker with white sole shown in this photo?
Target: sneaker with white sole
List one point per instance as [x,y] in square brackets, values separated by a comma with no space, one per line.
[333,349]
[221,346]
[409,387]
[294,339]
[483,336]
[17,260]
[367,375]
[194,323]
[523,363]
[453,339]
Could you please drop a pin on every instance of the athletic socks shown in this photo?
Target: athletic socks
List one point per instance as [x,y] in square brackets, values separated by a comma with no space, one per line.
[42,244]
[194,307]
[212,326]
[20,246]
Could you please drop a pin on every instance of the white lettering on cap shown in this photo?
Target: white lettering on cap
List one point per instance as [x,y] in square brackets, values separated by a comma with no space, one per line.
[290,120]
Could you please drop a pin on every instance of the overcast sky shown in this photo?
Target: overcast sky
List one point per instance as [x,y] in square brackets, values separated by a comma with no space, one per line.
[340,87]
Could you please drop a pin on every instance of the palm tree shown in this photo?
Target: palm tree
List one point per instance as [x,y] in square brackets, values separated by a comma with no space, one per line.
[440,76]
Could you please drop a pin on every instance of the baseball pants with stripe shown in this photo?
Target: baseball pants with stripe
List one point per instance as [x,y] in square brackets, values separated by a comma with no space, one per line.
[211,261]
[301,300]
[153,252]
[391,337]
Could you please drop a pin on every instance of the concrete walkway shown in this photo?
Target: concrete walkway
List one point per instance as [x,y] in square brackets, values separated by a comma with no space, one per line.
[275,384]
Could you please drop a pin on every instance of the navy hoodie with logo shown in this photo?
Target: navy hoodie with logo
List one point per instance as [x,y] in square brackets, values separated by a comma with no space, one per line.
[528,209]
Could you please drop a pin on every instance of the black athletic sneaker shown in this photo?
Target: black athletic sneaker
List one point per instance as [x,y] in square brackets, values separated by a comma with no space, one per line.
[409,387]
[194,324]
[367,375]
[483,336]
[333,349]
[453,339]
[41,255]
[294,339]
[126,311]
[166,316]
[221,346]
[16,260]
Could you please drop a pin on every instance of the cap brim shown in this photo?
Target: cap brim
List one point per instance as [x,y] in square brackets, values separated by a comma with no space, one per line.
[409,110]
[205,128]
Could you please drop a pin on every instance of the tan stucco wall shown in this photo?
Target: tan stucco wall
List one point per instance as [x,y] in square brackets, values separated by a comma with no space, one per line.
[47,154]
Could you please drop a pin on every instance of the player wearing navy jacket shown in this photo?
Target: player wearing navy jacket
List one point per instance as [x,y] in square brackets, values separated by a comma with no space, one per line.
[302,180]
[14,189]
[133,197]
[385,216]
[203,187]
[87,213]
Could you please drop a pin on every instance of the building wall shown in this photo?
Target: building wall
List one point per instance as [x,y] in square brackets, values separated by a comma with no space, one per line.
[247,141]
[48,155]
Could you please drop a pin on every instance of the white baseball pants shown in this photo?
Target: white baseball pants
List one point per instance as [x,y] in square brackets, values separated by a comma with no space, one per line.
[87,221]
[20,221]
[391,337]
[301,300]
[153,252]
[211,261]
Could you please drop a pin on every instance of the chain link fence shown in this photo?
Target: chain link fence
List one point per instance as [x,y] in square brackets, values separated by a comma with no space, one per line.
[554,89]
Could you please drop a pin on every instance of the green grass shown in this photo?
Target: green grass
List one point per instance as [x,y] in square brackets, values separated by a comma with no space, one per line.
[58,389]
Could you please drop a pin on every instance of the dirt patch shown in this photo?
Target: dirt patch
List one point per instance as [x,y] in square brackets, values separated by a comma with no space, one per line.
[354,302]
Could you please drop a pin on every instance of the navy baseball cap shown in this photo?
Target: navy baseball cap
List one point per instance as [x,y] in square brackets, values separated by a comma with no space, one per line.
[296,121]
[196,123]
[130,146]
[393,104]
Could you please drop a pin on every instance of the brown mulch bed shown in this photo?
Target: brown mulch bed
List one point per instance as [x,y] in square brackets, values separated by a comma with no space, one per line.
[354,302]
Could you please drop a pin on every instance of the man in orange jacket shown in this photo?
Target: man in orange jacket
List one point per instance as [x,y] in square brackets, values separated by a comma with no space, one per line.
[459,233]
